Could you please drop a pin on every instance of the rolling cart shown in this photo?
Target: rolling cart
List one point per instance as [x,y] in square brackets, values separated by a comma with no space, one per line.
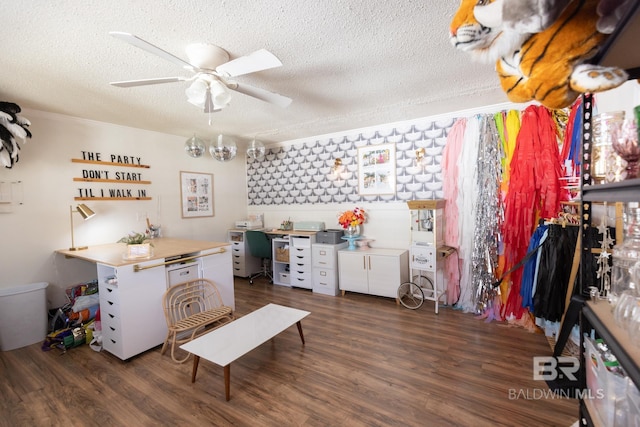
[426,264]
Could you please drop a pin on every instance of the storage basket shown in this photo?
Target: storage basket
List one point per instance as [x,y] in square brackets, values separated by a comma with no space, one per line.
[282,254]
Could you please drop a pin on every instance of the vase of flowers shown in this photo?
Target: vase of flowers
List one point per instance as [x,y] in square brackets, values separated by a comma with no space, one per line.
[351,221]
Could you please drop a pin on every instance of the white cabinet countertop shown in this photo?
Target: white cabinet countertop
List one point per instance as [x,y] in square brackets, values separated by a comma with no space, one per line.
[113,254]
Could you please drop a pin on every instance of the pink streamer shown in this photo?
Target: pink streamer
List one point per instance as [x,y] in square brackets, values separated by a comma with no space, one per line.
[450,156]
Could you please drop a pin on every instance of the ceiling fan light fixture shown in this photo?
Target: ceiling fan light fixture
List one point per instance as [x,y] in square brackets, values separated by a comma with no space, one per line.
[196,92]
[256,150]
[221,96]
[210,65]
[194,147]
[223,148]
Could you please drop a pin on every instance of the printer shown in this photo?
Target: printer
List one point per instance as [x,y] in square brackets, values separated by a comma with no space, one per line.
[248,224]
[252,223]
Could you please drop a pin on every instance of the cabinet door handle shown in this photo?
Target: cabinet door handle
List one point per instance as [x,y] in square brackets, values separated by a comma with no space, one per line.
[369,263]
[364,262]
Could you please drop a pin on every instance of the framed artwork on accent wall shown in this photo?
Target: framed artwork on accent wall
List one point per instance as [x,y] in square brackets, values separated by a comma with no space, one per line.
[196,194]
[377,169]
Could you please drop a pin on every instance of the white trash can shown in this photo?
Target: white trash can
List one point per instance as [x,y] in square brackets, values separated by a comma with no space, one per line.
[23,315]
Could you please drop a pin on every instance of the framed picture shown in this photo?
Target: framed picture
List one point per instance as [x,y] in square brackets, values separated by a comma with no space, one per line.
[377,169]
[196,194]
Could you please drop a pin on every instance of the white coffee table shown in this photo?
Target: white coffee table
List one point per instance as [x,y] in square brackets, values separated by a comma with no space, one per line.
[235,339]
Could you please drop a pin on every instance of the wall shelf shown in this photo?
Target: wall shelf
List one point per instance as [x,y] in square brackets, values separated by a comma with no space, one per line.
[622,191]
[112,198]
[96,162]
[115,181]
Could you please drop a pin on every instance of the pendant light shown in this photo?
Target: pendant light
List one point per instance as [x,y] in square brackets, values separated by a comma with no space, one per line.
[256,150]
[223,148]
[194,147]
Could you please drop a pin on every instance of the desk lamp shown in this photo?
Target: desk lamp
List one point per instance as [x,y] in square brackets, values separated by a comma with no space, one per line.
[86,213]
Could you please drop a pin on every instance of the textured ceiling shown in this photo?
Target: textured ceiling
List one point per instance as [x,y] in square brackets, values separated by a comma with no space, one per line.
[347,63]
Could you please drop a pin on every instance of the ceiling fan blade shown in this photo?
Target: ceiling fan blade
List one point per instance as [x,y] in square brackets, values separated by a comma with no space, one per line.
[257,61]
[145,45]
[261,94]
[145,82]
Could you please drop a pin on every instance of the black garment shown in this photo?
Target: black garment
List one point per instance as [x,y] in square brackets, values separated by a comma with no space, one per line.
[554,271]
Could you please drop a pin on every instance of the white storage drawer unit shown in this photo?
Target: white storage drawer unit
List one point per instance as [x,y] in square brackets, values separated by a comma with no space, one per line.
[131,308]
[300,261]
[325,268]
[178,273]
[244,264]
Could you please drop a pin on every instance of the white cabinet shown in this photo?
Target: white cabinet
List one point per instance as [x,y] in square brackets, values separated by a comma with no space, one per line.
[216,266]
[244,264]
[131,290]
[374,271]
[300,261]
[324,270]
[131,308]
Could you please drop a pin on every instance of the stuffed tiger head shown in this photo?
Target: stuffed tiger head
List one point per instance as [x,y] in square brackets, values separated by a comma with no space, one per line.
[484,43]
[550,66]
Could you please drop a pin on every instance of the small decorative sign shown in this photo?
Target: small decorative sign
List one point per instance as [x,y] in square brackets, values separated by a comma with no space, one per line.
[97,173]
[142,250]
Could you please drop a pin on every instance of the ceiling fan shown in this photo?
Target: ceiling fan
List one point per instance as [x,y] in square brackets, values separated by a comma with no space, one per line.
[212,71]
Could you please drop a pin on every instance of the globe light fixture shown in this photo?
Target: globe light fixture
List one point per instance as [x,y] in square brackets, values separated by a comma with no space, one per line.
[223,148]
[194,147]
[256,150]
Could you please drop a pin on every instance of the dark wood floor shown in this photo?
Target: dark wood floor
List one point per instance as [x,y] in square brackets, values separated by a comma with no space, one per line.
[366,362]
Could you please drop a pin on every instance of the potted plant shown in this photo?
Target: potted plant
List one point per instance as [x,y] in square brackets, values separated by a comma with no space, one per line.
[138,245]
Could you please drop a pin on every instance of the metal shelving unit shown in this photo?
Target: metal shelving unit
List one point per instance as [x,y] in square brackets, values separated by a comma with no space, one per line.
[597,316]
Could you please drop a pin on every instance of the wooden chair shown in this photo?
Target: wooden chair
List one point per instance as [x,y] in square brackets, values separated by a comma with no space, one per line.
[191,309]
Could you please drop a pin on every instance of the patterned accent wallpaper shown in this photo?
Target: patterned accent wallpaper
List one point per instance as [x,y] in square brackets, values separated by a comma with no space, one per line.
[302,172]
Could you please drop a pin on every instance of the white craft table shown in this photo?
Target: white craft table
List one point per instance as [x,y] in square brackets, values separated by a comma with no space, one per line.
[233,340]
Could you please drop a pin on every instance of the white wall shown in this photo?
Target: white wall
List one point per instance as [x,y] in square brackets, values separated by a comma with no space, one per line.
[625,98]
[33,230]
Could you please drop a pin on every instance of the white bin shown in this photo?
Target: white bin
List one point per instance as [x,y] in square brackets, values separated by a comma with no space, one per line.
[23,315]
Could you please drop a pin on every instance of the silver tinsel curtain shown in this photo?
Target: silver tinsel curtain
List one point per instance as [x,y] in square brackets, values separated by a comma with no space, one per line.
[487,216]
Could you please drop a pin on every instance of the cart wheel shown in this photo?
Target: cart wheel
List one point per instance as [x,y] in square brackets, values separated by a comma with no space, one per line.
[410,295]
[425,284]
